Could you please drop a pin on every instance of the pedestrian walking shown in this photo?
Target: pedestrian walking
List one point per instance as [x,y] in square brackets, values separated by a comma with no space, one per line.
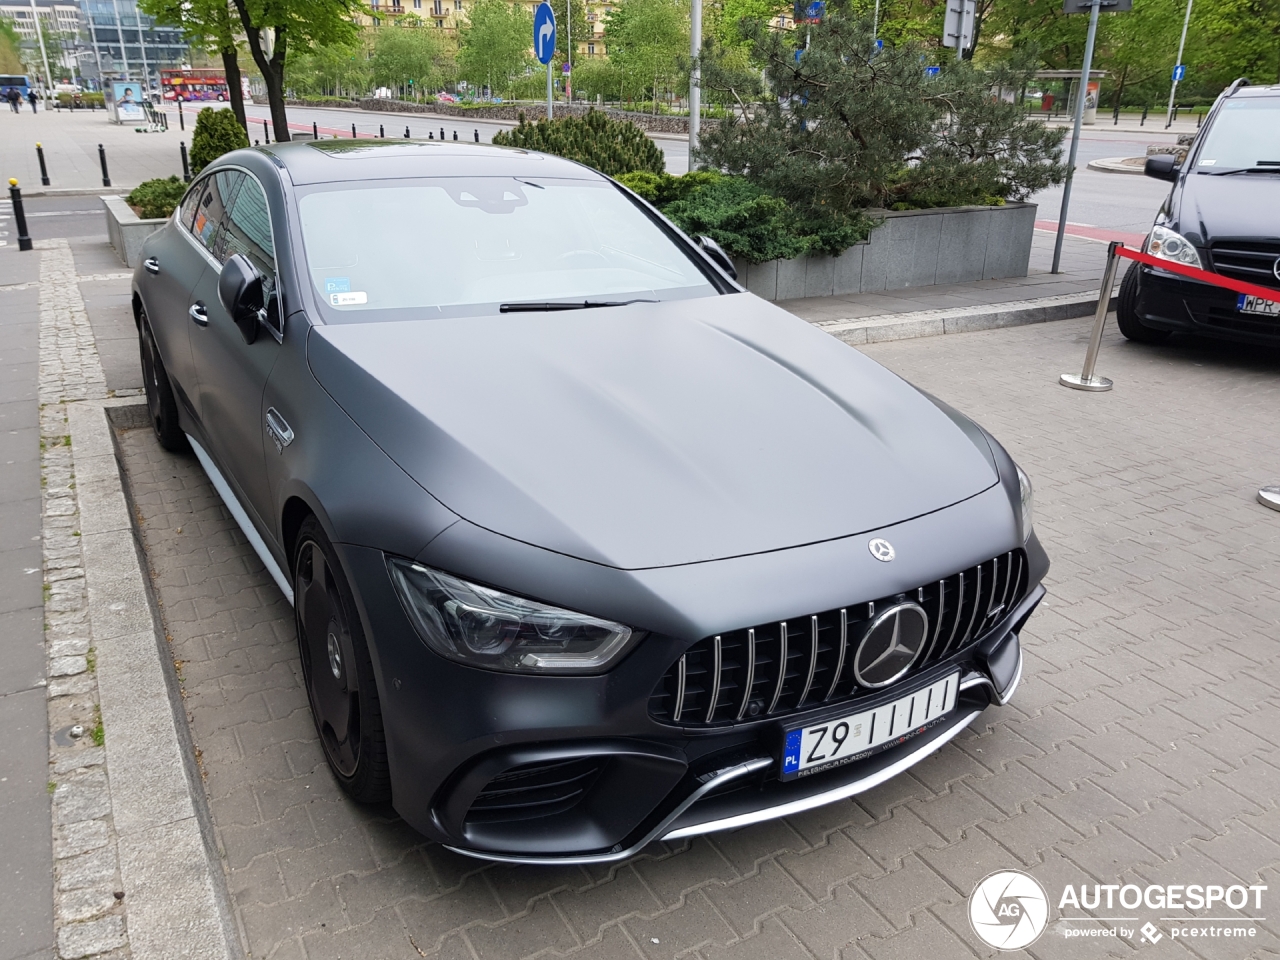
[14,98]
[31,99]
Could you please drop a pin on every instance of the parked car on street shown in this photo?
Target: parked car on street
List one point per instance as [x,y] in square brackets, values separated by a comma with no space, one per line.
[1222,215]
[587,545]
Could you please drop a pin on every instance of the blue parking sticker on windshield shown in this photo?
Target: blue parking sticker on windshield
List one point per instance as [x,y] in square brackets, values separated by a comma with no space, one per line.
[337,285]
[791,751]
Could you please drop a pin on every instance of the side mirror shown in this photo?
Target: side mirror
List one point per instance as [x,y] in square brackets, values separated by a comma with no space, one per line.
[240,290]
[1162,166]
[717,254]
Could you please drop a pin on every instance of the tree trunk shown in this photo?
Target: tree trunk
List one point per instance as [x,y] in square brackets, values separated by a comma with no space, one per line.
[272,69]
[231,68]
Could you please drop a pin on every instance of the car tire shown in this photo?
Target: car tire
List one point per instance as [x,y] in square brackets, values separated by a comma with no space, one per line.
[1127,311]
[337,669]
[162,406]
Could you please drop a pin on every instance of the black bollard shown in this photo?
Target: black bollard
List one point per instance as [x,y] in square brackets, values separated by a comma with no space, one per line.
[353,131]
[406,133]
[1199,120]
[442,133]
[455,134]
[182,124]
[44,173]
[430,135]
[20,215]
[102,158]
[477,136]
[266,134]
[382,134]
[1143,122]
[315,131]
[186,164]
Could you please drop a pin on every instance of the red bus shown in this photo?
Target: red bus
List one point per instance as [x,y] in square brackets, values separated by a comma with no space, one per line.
[195,84]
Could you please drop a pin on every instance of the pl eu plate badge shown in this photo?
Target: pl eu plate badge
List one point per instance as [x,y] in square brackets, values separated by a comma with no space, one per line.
[791,752]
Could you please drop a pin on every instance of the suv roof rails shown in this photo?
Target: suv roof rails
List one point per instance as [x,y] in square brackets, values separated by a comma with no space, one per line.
[1236,85]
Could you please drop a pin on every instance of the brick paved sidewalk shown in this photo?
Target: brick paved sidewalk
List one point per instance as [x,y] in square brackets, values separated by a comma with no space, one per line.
[1141,748]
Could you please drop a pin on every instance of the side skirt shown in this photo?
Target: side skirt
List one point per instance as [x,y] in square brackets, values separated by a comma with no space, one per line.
[246,525]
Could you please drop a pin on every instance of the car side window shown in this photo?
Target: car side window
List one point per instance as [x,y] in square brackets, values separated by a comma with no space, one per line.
[190,202]
[211,207]
[247,231]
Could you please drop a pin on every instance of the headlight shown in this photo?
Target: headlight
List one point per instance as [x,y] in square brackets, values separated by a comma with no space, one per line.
[1167,245]
[487,628]
[1024,490]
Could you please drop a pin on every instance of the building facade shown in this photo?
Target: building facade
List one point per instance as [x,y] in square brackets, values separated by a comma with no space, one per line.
[123,43]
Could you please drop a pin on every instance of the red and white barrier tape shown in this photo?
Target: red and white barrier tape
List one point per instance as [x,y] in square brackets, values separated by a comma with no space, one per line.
[1195,273]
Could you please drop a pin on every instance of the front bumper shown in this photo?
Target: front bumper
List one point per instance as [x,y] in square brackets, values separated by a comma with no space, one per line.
[1169,302]
[454,733]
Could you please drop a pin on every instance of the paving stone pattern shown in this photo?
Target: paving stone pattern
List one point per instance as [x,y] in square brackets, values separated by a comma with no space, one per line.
[1141,746]
[89,913]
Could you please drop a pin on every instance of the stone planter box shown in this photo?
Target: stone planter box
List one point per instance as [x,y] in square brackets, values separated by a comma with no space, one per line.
[911,248]
[127,230]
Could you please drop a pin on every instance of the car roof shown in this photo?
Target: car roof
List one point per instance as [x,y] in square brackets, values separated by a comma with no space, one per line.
[338,160]
[1251,91]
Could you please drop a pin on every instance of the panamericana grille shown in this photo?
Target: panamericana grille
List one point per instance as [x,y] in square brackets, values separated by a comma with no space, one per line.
[1250,260]
[778,668]
[535,790]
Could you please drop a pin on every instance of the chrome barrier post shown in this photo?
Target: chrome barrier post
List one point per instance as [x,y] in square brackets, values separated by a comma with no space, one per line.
[1086,380]
[1270,497]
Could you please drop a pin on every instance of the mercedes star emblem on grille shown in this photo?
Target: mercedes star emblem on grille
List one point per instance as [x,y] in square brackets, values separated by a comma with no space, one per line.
[882,550]
[891,644]
[1275,268]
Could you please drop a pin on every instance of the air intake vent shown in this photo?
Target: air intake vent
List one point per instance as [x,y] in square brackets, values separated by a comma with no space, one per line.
[779,668]
[535,790]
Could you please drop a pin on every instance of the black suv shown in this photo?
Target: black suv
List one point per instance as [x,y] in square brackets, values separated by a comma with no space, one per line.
[1223,214]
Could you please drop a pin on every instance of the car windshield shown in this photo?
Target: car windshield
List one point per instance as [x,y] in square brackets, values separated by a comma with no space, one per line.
[1244,134]
[469,245]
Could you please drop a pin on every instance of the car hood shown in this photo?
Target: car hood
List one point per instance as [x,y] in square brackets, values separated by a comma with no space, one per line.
[653,434]
[1240,205]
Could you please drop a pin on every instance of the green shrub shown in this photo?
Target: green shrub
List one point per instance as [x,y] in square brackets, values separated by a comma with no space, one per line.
[663,188]
[93,98]
[156,198]
[217,132]
[613,147]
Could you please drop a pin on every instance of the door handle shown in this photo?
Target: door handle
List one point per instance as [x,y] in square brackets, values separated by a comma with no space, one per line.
[152,265]
[198,314]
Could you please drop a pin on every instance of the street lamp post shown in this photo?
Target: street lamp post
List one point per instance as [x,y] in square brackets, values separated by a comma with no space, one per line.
[1081,94]
[695,78]
[48,77]
[1173,88]
[124,53]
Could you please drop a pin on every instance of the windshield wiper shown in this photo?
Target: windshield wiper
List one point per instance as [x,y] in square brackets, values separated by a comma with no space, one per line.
[572,305]
[1264,166]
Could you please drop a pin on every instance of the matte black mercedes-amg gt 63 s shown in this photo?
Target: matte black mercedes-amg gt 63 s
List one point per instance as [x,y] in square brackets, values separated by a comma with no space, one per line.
[587,545]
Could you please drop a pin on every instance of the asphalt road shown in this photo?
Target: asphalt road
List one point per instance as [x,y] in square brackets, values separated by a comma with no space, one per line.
[1118,202]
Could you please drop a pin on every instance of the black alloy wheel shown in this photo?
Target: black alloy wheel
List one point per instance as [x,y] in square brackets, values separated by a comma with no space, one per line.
[162,406]
[1127,310]
[337,669]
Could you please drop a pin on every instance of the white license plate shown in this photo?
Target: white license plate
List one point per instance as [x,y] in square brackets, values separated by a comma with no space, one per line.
[835,742]
[1247,303]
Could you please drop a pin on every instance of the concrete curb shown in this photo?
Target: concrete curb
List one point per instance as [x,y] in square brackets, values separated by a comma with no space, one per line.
[75,191]
[1117,165]
[931,323]
[172,879]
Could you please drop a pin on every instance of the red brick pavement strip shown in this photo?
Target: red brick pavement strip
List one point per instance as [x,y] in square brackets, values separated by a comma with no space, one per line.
[1143,746]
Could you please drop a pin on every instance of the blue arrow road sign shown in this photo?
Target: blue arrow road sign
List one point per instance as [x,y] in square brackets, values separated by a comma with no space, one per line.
[1179,72]
[544,33]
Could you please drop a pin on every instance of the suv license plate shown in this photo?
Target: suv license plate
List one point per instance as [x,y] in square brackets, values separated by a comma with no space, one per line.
[833,743]
[1247,303]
